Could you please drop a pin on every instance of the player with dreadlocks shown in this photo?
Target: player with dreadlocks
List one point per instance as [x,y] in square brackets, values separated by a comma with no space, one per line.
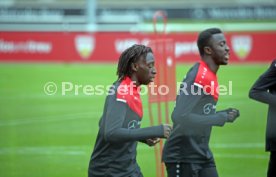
[119,127]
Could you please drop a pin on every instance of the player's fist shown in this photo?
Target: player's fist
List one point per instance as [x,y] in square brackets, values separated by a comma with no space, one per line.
[152,141]
[233,114]
[167,130]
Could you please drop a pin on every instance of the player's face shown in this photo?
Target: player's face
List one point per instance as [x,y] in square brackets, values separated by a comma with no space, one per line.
[220,49]
[146,70]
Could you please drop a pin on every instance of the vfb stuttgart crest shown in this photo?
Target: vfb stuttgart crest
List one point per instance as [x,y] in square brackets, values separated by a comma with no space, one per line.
[242,45]
[85,45]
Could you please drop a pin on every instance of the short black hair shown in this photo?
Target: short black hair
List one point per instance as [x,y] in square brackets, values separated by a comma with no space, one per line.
[204,38]
[129,56]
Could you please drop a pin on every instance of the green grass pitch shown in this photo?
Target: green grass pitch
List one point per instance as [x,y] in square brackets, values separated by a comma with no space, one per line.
[53,136]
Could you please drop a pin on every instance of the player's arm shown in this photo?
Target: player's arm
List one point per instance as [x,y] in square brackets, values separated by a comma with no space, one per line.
[260,89]
[114,131]
[186,102]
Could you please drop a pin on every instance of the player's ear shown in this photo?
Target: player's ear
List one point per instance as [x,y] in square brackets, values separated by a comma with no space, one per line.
[207,50]
[134,67]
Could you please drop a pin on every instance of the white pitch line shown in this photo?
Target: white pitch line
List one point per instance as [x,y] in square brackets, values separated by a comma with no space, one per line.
[241,156]
[238,145]
[44,96]
[63,150]
[229,146]
[83,150]
[53,118]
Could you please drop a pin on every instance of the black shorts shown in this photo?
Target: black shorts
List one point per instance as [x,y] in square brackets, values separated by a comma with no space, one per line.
[93,172]
[272,165]
[191,169]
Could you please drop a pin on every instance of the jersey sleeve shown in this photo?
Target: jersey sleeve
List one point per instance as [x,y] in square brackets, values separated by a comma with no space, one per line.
[206,80]
[260,91]
[186,101]
[113,125]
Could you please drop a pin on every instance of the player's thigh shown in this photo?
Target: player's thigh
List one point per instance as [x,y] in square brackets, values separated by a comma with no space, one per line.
[208,172]
[180,170]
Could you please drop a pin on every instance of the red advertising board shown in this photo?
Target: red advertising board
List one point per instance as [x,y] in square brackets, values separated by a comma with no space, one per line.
[107,46]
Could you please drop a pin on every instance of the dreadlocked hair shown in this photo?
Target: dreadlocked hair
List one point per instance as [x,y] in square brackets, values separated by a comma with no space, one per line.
[129,56]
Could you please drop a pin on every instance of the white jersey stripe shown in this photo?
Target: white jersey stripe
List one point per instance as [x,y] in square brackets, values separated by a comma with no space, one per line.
[200,86]
[121,100]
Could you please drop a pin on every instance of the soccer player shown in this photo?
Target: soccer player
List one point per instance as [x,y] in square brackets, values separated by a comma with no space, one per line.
[186,152]
[114,153]
[264,90]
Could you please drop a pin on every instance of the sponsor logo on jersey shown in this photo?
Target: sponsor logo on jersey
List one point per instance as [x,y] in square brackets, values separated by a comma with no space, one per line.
[207,108]
[134,124]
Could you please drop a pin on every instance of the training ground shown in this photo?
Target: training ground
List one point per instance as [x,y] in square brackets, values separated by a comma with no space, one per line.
[53,135]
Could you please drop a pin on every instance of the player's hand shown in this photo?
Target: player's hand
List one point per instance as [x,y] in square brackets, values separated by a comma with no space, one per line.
[167,130]
[233,114]
[152,141]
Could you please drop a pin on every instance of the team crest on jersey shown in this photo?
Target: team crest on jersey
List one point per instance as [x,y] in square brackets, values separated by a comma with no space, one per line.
[85,45]
[242,45]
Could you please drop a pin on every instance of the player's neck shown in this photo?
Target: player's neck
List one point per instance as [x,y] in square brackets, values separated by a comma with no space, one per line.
[211,64]
[135,80]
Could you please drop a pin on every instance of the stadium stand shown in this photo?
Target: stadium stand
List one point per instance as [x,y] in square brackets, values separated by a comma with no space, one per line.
[134,3]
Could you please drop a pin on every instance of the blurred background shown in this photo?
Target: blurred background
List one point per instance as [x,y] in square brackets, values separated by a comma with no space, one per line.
[47,45]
